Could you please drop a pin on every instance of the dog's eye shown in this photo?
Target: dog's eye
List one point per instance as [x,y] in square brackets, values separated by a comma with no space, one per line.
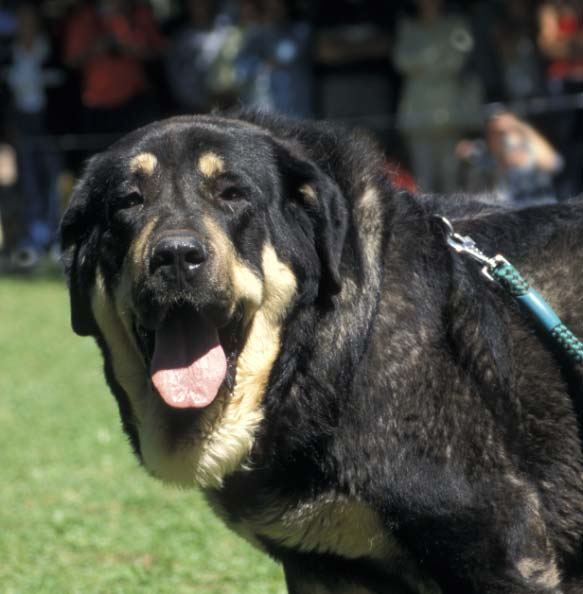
[232,193]
[129,200]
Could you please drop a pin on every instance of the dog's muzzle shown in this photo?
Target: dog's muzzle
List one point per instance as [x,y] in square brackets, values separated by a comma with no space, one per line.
[177,257]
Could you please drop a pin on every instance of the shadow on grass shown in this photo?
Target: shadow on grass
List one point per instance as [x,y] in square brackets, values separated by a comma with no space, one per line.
[46,270]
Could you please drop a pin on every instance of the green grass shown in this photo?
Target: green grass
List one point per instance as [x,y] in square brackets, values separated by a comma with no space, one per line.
[77,514]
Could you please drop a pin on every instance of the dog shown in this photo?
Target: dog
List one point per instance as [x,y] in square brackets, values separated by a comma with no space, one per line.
[285,331]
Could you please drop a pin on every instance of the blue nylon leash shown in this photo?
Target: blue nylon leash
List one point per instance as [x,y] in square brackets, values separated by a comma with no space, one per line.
[499,269]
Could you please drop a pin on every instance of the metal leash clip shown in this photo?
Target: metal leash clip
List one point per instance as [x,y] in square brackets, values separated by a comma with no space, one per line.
[499,269]
[466,245]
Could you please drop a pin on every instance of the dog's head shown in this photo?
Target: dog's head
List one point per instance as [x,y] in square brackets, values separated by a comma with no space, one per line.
[186,246]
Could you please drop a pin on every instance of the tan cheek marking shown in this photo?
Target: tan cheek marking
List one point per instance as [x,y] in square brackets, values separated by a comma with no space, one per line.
[247,287]
[133,269]
[263,341]
[542,572]
[309,194]
[211,164]
[137,252]
[128,367]
[144,163]
[231,435]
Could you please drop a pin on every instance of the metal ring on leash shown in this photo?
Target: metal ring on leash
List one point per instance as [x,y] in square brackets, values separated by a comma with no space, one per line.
[499,269]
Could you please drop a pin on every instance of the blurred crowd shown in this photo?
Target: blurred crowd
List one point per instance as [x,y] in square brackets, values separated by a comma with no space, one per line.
[483,96]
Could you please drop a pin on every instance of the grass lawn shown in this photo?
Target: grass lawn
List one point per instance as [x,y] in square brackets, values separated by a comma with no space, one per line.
[77,514]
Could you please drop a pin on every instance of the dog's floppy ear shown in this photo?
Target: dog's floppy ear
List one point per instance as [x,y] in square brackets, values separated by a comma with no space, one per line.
[79,244]
[324,204]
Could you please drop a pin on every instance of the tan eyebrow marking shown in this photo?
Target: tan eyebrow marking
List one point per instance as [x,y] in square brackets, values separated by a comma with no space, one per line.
[143,163]
[309,194]
[211,164]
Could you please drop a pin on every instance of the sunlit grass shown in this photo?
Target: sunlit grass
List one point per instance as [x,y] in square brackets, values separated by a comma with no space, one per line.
[77,514]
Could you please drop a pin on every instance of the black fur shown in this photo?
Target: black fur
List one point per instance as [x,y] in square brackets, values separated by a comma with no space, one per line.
[405,381]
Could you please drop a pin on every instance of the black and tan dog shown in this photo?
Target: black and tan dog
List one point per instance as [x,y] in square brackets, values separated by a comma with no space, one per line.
[283,330]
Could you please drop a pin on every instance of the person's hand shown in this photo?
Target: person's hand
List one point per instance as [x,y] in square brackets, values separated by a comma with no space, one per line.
[504,122]
[465,149]
[508,141]
[514,143]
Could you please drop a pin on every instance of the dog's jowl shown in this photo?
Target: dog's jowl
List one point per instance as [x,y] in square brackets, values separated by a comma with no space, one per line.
[286,332]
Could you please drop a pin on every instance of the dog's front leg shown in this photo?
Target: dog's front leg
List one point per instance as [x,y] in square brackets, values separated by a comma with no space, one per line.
[499,548]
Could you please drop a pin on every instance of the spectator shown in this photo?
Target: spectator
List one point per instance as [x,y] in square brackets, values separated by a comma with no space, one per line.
[352,55]
[430,51]
[356,80]
[515,41]
[274,64]
[38,161]
[110,42]
[7,30]
[200,63]
[516,163]
[485,61]
[561,42]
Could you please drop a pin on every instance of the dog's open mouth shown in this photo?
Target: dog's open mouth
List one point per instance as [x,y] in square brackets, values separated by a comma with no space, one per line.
[188,363]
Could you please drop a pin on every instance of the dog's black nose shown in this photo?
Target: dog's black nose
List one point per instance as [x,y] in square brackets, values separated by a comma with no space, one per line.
[178,253]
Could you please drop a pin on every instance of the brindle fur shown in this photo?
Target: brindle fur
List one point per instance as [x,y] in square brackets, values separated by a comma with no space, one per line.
[407,430]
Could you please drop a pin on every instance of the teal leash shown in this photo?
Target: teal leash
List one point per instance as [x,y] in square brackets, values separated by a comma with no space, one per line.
[498,269]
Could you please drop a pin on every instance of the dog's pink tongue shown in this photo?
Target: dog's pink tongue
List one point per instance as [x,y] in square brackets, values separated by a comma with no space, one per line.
[189,365]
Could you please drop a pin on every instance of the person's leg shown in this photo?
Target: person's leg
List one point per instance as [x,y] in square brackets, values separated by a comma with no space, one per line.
[566,133]
[446,162]
[26,253]
[50,161]
[28,128]
[421,155]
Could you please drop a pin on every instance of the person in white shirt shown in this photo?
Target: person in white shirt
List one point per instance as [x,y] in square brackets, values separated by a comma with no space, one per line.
[431,51]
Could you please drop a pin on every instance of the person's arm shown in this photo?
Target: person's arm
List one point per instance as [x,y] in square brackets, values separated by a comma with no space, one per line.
[539,148]
[546,157]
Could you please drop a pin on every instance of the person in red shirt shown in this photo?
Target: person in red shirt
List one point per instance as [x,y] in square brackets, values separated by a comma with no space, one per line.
[561,38]
[560,41]
[110,41]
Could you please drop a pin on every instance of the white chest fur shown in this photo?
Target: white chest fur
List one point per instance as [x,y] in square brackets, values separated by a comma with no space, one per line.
[329,523]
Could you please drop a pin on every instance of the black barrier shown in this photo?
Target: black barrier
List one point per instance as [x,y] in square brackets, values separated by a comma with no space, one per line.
[532,107]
